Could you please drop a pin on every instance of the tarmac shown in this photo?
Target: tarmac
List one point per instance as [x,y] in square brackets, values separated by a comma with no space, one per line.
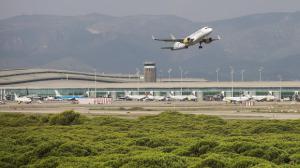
[132,109]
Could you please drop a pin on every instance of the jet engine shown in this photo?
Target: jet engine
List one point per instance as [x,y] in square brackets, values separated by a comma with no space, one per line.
[207,41]
[187,40]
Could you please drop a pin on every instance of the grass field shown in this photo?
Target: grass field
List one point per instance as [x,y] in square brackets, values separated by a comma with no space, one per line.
[170,139]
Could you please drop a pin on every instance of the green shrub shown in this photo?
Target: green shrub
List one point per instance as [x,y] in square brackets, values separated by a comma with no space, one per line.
[257,152]
[271,128]
[241,147]
[201,148]
[153,142]
[65,118]
[18,119]
[295,158]
[245,163]
[212,161]
[74,149]
[50,162]
[7,160]
[154,160]
[44,148]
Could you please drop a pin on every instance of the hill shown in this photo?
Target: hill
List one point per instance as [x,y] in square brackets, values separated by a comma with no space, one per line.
[120,44]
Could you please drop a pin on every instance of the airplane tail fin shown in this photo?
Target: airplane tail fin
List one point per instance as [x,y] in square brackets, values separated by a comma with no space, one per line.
[153,38]
[151,93]
[127,93]
[57,94]
[223,93]
[194,93]
[172,37]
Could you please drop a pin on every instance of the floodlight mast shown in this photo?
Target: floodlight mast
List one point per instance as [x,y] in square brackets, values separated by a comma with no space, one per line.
[181,71]
[242,72]
[169,72]
[260,73]
[138,76]
[95,82]
[231,72]
[217,71]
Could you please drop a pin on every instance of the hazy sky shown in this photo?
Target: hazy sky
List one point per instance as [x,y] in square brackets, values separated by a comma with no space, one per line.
[197,10]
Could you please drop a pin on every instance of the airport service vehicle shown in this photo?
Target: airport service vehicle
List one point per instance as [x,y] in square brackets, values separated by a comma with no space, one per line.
[23,99]
[58,96]
[199,37]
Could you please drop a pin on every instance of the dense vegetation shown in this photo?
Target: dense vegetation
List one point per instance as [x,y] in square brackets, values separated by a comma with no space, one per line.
[170,139]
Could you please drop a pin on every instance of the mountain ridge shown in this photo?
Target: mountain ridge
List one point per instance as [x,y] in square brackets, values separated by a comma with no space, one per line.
[121,44]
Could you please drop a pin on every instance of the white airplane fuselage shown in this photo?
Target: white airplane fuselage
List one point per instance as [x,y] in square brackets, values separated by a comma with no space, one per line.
[135,97]
[236,99]
[195,38]
[22,99]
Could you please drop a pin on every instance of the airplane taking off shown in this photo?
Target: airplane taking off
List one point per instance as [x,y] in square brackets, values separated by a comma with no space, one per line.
[199,37]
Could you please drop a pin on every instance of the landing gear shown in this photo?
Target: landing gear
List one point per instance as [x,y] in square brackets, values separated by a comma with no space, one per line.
[200,46]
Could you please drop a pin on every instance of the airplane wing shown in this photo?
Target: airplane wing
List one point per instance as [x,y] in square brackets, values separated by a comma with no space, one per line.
[168,40]
[169,48]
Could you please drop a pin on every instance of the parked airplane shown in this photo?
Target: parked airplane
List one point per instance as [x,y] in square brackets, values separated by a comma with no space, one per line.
[263,98]
[151,97]
[128,96]
[268,97]
[58,96]
[23,99]
[239,99]
[172,96]
[192,97]
[49,98]
[199,37]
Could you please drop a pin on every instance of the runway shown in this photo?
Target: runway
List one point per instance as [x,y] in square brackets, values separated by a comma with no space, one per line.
[130,109]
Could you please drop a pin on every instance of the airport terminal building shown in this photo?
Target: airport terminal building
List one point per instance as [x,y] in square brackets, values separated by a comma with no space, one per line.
[43,83]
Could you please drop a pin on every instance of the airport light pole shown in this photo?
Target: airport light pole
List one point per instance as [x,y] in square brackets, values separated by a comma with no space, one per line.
[138,76]
[160,74]
[280,90]
[260,72]
[186,74]
[181,78]
[242,72]
[231,72]
[95,82]
[169,72]
[217,71]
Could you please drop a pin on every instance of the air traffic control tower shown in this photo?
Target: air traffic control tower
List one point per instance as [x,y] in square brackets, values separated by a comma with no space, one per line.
[149,72]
